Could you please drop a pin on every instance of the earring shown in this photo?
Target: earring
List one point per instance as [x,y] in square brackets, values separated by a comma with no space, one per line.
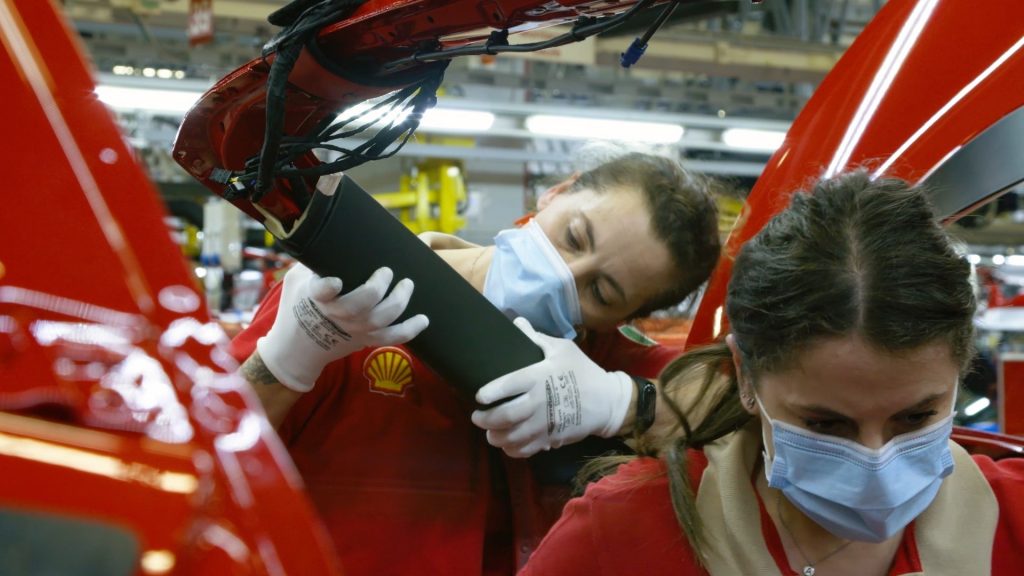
[748,400]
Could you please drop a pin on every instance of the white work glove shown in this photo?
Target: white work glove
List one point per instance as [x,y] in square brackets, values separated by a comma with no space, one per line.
[562,399]
[315,326]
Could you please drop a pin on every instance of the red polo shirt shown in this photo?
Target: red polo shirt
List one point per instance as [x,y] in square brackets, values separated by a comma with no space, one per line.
[405,483]
[625,524]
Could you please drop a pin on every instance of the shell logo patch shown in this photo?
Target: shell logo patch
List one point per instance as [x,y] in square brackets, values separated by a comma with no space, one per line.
[388,370]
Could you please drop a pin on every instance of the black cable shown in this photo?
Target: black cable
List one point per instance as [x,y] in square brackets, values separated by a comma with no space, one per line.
[419,99]
[289,13]
[415,98]
[659,22]
[584,28]
[639,45]
[304,18]
[288,45]
[277,85]
[298,146]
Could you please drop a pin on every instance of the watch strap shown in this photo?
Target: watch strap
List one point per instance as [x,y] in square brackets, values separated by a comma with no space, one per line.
[646,402]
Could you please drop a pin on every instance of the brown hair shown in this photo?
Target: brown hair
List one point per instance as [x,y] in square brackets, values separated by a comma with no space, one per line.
[683,214]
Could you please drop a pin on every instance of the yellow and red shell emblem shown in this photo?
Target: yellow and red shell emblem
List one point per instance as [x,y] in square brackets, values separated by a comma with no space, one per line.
[388,370]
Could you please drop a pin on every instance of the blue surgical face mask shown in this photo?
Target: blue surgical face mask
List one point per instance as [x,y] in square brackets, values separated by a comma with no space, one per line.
[528,278]
[853,491]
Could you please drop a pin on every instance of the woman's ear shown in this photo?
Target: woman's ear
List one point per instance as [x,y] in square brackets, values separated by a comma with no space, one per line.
[545,199]
[746,390]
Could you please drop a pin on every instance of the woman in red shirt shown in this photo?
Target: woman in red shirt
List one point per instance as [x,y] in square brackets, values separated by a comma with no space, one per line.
[403,480]
[818,442]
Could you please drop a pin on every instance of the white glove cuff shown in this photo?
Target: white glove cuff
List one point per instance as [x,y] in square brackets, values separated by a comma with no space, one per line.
[275,358]
[622,391]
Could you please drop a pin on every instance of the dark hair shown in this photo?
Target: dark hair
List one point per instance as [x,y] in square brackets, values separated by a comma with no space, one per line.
[683,214]
[854,256]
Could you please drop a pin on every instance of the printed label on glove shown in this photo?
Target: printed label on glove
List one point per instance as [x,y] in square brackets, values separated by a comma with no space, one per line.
[564,410]
[318,327]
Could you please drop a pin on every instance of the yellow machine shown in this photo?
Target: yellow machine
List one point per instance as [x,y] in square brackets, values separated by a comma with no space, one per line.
[730,210]
[430,197]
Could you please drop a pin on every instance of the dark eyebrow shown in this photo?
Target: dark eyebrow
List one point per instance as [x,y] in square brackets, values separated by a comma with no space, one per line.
[820,411]
[829,413]
[589,227]
[924,403]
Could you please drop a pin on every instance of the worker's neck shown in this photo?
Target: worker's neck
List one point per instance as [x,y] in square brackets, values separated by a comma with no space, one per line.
[471,263]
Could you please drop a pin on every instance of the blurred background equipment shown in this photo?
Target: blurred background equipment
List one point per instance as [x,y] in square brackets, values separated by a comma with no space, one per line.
[431,197]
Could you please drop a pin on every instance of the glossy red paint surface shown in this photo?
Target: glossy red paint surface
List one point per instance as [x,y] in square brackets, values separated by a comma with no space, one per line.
[118,402]
[921,80]
[991,444]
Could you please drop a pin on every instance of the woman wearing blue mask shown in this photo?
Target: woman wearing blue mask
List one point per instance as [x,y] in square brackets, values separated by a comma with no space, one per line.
[817,441]
[404,481]
[620,240]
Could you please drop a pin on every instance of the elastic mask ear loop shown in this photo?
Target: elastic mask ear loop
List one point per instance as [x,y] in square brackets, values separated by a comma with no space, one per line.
[768,460]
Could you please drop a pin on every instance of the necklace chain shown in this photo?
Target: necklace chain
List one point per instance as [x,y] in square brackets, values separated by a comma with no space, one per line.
[809,566]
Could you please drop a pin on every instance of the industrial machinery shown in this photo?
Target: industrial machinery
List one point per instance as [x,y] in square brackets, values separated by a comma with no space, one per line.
[430,198]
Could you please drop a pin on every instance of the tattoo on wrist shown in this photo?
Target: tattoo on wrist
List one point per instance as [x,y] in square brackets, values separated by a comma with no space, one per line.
[256,372]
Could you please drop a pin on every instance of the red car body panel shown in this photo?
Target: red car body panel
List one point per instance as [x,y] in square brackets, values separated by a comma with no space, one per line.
[921,81]
[118,402]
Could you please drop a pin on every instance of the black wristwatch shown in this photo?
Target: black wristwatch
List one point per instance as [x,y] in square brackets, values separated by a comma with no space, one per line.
[646,401]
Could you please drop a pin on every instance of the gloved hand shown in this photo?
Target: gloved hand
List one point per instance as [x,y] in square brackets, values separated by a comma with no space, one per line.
[562,399]
[315,326]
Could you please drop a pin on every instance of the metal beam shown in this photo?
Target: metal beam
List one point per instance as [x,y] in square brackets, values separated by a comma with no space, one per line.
[723,167]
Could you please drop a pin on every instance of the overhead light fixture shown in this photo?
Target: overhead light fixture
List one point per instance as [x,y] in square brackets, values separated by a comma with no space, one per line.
[977,406]
[455,120]
[603,129]
[155,100]
[754,140]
